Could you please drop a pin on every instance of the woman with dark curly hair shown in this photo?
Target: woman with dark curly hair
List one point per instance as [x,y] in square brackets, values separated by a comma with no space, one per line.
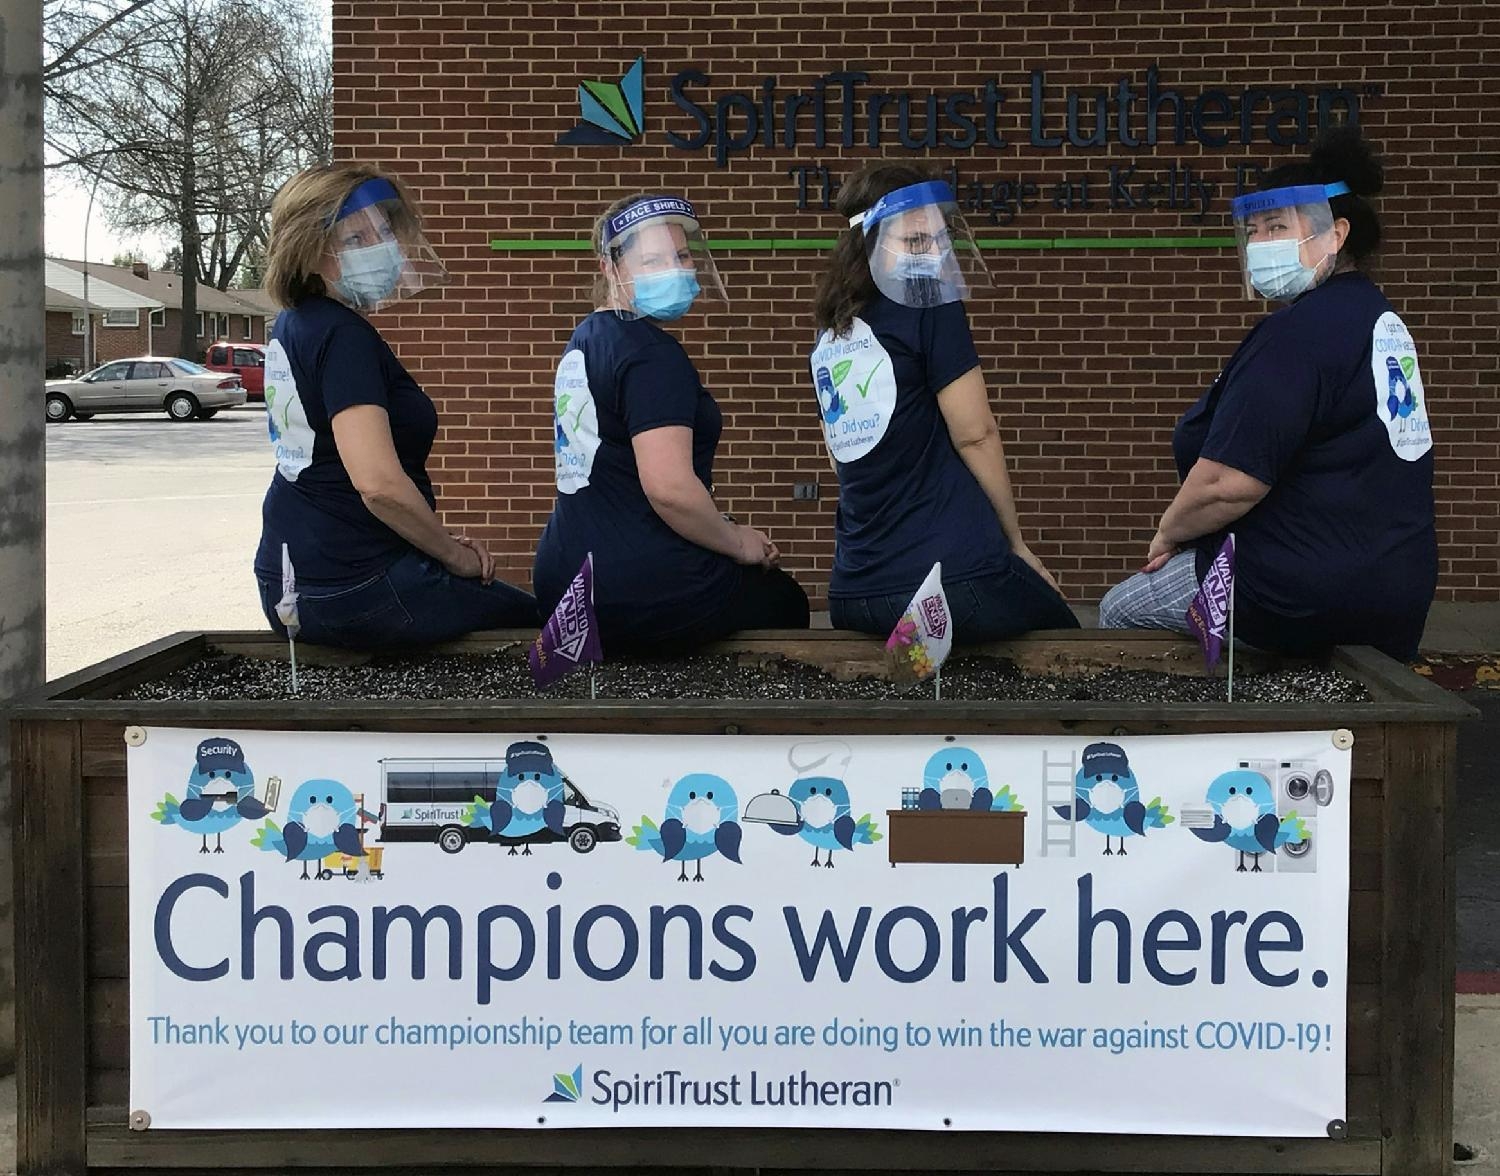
[922,477]
[1313,445]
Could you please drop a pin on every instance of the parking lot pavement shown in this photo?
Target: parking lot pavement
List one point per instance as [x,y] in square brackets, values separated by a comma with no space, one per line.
[151,528]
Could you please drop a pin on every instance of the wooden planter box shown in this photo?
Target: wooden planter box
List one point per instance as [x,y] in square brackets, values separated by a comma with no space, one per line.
[72,951]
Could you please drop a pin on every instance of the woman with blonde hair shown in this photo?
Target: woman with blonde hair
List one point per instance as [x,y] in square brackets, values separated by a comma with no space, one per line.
[635,434]
[351,504]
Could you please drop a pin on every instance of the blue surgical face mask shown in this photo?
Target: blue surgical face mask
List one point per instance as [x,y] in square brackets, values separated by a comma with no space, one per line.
[666,295]
[912,266]
[369,274]
[1276,270]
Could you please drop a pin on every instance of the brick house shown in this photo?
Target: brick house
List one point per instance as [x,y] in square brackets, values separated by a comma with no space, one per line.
[153,325]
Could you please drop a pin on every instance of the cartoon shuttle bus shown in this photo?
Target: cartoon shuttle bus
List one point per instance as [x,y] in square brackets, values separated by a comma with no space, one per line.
[435,799]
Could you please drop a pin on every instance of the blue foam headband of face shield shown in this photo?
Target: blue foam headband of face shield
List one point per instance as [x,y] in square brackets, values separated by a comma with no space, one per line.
[372,191]
[1243,206]
[648,208]
[904,200]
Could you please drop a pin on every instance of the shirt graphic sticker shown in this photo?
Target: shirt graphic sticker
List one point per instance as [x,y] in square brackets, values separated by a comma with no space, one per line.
[1400,399]
[856,390]
[575,435]
[291,436]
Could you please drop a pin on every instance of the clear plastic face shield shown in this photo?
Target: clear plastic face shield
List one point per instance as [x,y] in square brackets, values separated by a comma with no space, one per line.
[920,250]
[1286,239]
[656,261]
[380,252]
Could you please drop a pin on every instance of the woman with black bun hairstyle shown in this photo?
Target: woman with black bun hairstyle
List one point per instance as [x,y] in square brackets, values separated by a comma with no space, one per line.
[1313,445]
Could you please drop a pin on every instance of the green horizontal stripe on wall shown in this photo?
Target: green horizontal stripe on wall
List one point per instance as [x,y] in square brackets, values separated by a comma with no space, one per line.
[817,244]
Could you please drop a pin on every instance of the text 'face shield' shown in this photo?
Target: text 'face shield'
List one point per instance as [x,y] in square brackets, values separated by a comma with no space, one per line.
[381,251]
[656,260]
[1286,240]
[920,250]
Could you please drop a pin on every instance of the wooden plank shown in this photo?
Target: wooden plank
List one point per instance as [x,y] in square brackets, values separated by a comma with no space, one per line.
[1418,957]
[111,1145]
[1387,678]
[51,1055]
[1362,1038]
[1365,942]
[107,678]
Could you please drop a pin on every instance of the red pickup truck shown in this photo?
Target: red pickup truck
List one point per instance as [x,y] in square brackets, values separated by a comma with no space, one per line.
[247,360]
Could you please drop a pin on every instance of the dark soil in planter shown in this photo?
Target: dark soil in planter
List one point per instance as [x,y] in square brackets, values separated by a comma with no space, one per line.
[714,676]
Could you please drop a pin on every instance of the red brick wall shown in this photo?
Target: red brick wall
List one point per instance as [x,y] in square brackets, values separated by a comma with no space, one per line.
[1090,353]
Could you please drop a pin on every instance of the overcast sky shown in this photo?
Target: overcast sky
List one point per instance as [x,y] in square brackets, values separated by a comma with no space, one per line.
[67,208]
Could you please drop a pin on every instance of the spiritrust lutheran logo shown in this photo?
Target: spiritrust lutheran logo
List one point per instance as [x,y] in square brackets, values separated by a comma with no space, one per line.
[566,1088]
[612,111]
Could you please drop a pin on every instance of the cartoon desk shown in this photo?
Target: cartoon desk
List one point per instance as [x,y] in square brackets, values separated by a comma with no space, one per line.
[956,836]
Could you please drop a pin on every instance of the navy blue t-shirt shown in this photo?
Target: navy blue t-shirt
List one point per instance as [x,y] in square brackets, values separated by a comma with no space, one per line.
[323,358]
[906,499]
[620,377]
[1323,402]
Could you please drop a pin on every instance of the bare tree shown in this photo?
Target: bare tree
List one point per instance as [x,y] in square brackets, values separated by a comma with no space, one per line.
[201,110]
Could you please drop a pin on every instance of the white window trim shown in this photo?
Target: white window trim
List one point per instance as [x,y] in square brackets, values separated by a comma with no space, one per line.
[134,324]
[79,324]
[201,335]
[159,317]
[249,329]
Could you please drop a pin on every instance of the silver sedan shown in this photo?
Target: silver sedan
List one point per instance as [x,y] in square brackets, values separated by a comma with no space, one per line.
[184,390]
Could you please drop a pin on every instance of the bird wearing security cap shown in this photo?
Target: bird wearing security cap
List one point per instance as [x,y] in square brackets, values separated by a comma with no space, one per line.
[220,794]
[1107,797]
[528,798]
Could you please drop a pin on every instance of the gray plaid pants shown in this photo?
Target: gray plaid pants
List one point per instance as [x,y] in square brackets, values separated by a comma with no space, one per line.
[1156,601]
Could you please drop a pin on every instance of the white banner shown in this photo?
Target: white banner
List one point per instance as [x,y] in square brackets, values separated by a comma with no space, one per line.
[1140,935]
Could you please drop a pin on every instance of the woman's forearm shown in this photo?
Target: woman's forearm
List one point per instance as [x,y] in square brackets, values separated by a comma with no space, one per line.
[400,506]
[1212,496]
[690,511]
[985,459]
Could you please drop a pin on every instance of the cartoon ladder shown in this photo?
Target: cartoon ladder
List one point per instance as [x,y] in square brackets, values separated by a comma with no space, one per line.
[1058,775]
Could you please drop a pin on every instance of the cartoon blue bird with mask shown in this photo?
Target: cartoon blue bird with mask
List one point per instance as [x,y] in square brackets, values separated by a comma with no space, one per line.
[824,819]
[955,778]
[528,798]
[1107,798]
[1245,819]
[320,821]
[701,819]
[220,794]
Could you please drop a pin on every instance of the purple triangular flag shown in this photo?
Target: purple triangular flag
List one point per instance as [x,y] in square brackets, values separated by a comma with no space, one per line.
[571,635]
[1208,614]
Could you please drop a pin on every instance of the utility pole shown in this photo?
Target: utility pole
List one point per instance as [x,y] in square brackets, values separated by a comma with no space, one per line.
[23,470]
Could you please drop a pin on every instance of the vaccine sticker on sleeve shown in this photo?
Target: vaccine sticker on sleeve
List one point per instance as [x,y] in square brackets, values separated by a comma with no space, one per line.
[856,390]
[575,421]
[291,436]
[1400,399]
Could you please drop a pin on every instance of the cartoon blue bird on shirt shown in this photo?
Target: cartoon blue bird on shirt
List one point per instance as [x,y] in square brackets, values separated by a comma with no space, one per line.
[701,819]
[528,798]
[1402,406]
[1245,817]
[320,821]
[220,794]
[1107,798]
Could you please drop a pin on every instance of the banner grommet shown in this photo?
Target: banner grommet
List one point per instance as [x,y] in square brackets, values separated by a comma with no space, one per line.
[140,1120]
[1343,739]
[135,736]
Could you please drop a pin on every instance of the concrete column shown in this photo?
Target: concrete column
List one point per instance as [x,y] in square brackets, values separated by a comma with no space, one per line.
[23,470]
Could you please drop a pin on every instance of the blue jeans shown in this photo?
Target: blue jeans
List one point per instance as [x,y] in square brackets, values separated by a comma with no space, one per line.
[414,602]
[1003,604]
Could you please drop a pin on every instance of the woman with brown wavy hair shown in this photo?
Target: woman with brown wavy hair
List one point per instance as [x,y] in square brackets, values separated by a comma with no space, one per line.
[908,423]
